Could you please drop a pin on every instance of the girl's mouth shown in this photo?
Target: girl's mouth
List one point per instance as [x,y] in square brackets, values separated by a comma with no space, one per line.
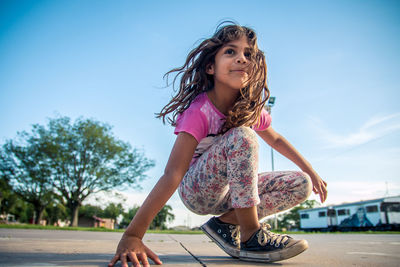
[243,72]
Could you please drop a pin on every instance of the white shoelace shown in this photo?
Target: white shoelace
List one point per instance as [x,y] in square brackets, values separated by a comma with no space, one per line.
[265,236]
[235,233]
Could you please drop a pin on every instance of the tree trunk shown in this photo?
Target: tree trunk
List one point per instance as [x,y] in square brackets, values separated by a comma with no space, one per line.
[74,214]
[39,214]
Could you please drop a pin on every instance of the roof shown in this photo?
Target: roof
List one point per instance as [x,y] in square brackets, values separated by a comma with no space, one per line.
[98,219]
[383,199]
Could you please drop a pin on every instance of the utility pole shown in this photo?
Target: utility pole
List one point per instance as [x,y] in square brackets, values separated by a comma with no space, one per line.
[268,107]
[387,189]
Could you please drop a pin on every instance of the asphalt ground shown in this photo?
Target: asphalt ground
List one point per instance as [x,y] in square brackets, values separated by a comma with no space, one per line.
[21,247]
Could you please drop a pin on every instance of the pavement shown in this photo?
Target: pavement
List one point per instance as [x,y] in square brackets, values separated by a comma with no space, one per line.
[20,247]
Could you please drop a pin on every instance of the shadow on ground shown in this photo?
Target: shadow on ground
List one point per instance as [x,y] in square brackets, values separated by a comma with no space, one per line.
[78,259]
[228,261]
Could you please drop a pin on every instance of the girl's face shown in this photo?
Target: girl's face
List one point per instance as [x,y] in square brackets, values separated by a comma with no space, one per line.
[231,67]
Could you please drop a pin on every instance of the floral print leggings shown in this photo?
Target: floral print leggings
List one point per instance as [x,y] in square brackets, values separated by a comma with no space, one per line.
[226,177]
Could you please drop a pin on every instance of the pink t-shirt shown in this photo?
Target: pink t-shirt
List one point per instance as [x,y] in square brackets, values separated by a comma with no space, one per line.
[204,121]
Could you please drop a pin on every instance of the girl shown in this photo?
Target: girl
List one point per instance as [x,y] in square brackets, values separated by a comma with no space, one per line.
[217,113]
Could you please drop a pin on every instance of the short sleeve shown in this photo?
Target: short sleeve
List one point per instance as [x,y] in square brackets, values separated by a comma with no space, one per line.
[192,122]
[263,122]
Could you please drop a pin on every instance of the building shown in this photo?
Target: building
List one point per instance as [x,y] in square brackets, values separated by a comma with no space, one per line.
[380,213]
[96,222]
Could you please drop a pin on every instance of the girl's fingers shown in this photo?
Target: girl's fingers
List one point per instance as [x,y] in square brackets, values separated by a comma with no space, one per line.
[113,261]
[153,256]
[130,256]
[134,259]
[144,260]
[323,193]
[124,262]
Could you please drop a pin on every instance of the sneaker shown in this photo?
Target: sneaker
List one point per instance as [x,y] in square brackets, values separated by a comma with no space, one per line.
[265,246]
[225,235]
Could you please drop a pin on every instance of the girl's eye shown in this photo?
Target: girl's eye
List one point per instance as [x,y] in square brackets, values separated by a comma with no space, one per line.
[229,51]
[247,54]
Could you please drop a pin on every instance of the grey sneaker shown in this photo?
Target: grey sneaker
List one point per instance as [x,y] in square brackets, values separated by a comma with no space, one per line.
[265,246]
[225,235]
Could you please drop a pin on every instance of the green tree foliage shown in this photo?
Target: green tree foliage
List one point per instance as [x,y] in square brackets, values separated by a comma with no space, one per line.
[73,160]
[159,222]
[22,210]
[88,211]
[128,216]
[291,219]
[8,198]
[113,211]
[26,167]
[165,214]
[54,212]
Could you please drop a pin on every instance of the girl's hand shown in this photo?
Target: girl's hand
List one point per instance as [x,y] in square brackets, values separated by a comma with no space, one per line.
[319,186]
[131,248]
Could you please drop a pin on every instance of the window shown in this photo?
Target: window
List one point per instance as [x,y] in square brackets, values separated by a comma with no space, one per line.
[390,207]
[304,216]
[321,214]
[394,208]
[332,213]
[342,212]
[370,209]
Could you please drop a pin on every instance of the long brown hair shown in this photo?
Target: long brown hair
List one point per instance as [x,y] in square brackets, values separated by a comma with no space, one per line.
[194,80]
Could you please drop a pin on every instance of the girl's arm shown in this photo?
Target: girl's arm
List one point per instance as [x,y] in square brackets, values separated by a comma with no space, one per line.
[131,245]
[280,144]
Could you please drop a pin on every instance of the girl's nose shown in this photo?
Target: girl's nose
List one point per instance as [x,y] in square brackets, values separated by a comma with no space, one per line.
[241,59]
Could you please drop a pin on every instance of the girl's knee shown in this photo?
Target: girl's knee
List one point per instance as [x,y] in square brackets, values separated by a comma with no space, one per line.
[305,185]
[243,135]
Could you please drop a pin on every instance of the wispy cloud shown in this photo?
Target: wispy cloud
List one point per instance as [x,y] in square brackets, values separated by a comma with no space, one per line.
[350,191]
[375,128]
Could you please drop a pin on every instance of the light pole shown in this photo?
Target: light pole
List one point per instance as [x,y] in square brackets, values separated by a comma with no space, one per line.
[268,107]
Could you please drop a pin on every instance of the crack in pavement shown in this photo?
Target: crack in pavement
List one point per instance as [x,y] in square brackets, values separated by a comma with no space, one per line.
[188,251]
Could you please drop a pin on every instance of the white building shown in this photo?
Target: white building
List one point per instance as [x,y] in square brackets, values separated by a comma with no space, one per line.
[383,213]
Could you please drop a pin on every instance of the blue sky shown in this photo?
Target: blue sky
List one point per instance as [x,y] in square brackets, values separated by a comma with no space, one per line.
[333,67]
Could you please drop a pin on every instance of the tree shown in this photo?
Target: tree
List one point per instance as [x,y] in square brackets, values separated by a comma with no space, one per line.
[88,159]
[128,216]
[54,212]
[113,211]
[79,159]
[291,219]
[23,211]
[89,211]
[7,196]
[27,169]
[159,222]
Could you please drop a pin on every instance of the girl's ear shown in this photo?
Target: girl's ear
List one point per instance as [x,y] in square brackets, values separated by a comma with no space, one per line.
[210,69]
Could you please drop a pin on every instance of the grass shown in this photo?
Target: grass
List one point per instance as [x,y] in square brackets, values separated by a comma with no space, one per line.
[33,226]
[97,229]
[356,232]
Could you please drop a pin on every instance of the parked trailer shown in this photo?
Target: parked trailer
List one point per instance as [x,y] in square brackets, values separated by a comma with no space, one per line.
[375,214]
